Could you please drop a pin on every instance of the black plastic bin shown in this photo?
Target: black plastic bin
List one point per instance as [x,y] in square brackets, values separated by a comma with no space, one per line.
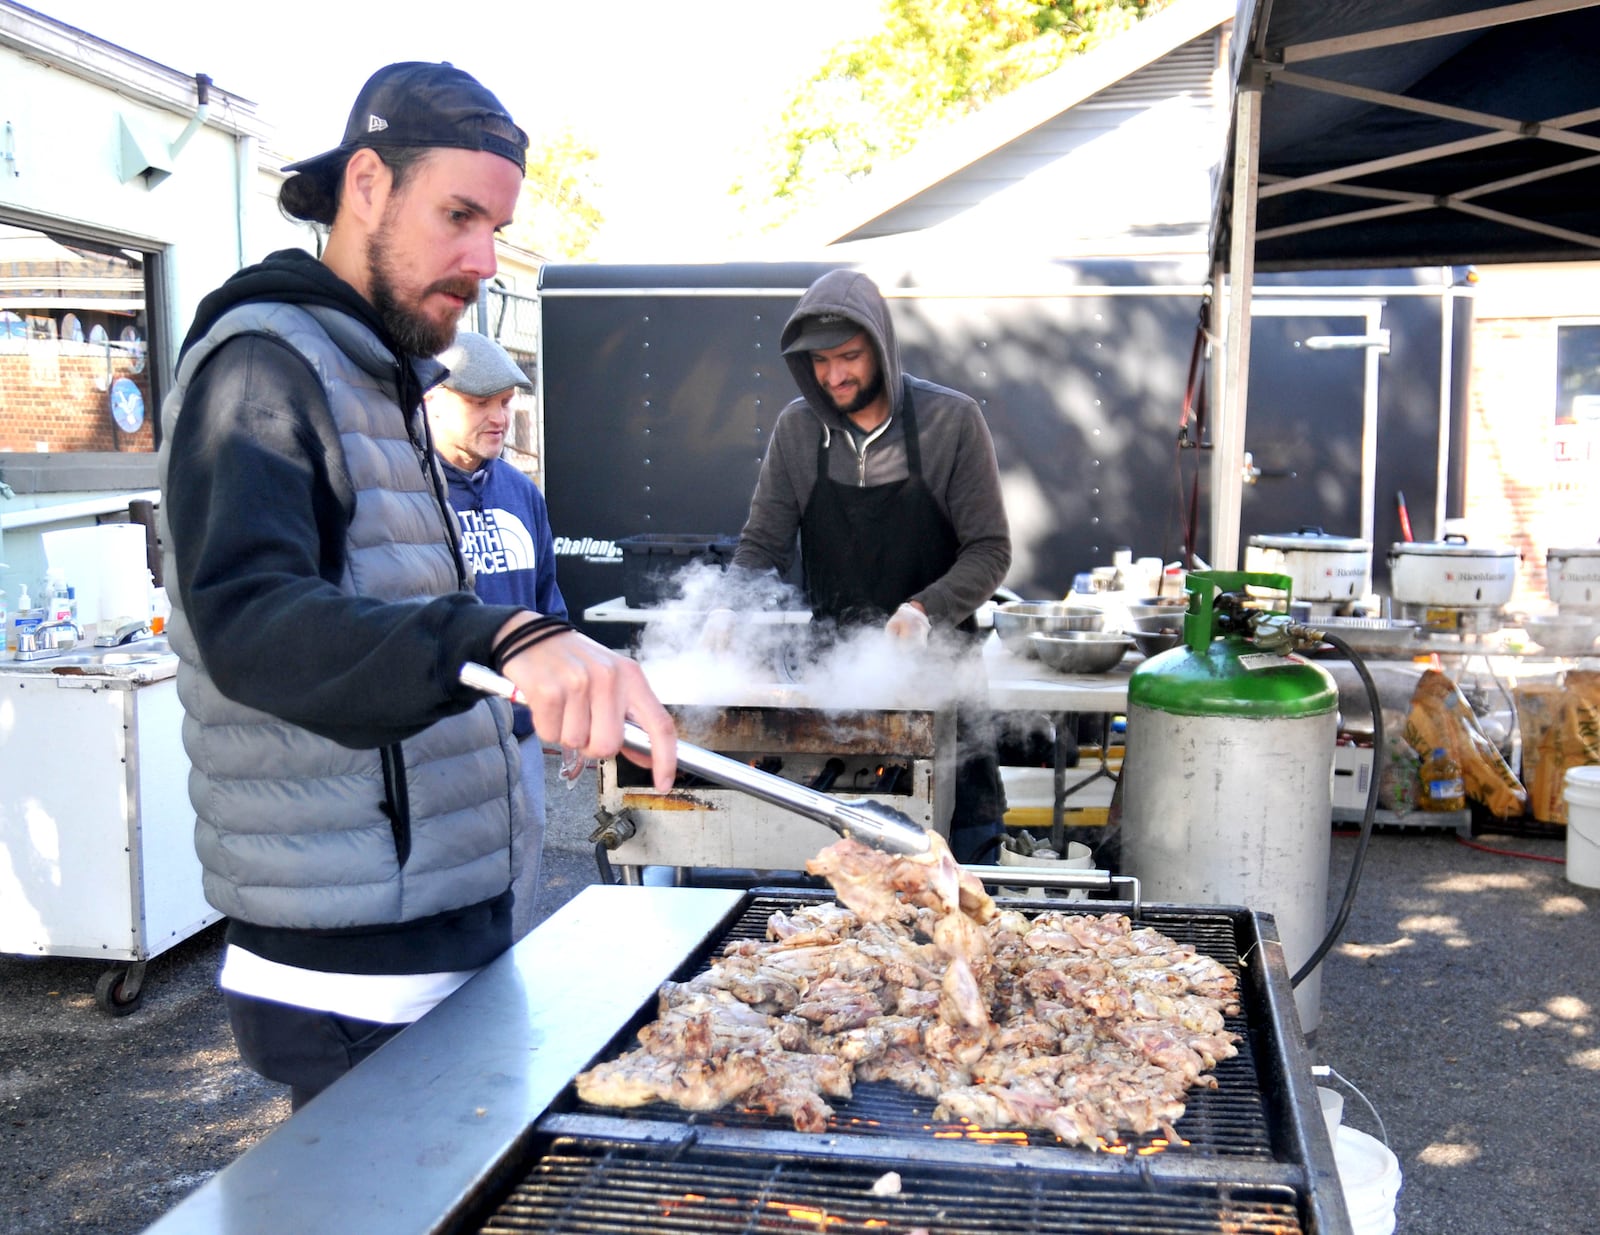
[651,562]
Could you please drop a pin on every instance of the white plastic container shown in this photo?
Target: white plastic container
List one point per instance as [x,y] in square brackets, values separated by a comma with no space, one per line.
[1079,858]
[1581,789]
[1332,1110]
[106,564]
[1369,1175]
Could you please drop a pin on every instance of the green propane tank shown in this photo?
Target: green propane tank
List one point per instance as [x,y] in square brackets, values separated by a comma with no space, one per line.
[1227,783]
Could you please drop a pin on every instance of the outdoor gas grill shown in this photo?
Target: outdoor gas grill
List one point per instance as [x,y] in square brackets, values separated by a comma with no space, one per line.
[469,1120]
[901,757]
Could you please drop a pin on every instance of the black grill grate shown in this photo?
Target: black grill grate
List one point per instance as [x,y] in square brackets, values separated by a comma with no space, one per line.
[1229,1121]
[597,1187]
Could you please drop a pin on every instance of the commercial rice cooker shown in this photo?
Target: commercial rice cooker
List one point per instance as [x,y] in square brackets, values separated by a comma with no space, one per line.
[1452,574]
[1324,568]
[1573,577]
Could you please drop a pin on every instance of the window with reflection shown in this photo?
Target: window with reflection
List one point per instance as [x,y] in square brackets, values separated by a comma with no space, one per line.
[75,372]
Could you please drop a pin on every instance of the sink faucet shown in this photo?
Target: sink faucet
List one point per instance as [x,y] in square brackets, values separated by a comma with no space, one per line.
[131,628]
[41,642]
[59,624]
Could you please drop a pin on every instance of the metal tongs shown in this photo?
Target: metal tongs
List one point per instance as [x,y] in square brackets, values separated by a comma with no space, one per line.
[871,823]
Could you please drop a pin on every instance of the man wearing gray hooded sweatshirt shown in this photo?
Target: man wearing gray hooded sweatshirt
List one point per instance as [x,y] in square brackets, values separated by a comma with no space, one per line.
[891,483]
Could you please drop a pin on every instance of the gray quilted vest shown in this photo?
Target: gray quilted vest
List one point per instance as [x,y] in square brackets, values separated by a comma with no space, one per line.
[291,827]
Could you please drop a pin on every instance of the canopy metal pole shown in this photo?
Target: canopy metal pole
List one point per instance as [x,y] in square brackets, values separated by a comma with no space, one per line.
[1227,438]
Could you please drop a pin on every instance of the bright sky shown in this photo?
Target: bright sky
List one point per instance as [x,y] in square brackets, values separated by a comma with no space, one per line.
[668,93]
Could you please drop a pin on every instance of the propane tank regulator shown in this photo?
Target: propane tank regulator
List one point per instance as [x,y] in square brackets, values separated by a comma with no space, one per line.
[1232,613]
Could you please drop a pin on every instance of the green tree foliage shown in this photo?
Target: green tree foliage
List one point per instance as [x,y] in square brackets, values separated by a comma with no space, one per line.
[556,215]
[933,61]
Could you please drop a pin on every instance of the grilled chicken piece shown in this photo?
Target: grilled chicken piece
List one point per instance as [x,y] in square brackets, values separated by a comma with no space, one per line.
[910,1001]
[961,1003]
[639,1077]
[858,875]
[996,1106]
[870,1041]
[835,1004]
[794,1086]
[763,990]
[914,1069]
[874,883]
[713,1023]
[799,1100]
[825,923]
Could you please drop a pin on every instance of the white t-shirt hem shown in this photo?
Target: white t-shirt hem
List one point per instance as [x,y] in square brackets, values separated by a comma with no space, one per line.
[387,999]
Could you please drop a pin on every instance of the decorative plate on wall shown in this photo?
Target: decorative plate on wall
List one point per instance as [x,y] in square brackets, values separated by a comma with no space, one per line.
[127,405]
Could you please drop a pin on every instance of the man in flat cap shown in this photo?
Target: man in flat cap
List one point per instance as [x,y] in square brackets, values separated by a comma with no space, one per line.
[505,537]
[356,801]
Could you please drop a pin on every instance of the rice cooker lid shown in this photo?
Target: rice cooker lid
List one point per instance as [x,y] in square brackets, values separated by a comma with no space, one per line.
[1451,547]
[1583,551]
[1310,539]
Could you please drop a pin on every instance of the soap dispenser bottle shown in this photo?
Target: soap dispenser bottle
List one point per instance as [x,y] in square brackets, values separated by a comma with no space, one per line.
[24,618]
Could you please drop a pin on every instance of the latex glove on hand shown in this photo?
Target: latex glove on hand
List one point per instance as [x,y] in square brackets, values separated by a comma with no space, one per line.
[717,634]
[909,624]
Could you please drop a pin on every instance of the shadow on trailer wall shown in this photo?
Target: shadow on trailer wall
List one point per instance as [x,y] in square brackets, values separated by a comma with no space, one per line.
[660,386]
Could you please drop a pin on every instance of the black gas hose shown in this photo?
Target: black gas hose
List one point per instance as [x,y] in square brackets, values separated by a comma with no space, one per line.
[1367,817]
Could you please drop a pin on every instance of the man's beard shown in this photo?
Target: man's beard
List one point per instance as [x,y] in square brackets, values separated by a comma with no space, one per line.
[866,395]
[416,334]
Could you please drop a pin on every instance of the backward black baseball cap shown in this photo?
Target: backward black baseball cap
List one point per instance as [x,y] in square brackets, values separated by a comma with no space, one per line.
[418,104]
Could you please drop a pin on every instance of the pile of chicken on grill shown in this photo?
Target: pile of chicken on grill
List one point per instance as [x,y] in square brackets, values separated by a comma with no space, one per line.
[1081,1025]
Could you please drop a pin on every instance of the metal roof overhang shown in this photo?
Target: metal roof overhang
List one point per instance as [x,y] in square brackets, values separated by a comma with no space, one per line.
[1381,133]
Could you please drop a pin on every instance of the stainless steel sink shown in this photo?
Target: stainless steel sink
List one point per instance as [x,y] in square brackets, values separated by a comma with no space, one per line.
[86,658]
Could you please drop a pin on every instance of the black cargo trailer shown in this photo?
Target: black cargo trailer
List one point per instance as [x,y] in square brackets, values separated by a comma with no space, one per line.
[659,386]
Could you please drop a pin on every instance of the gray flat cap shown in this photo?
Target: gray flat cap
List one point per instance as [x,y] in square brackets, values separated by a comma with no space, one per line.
[479,366]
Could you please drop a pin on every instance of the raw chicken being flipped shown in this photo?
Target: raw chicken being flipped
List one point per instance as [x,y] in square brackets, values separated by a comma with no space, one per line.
[1080,1025]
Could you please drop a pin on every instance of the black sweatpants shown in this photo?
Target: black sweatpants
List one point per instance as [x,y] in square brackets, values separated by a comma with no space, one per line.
[302,1048]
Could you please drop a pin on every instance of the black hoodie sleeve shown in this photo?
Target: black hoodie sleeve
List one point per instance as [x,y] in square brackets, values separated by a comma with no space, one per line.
[257,503]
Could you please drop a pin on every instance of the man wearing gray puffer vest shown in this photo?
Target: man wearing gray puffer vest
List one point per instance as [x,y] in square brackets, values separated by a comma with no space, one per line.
[359,809]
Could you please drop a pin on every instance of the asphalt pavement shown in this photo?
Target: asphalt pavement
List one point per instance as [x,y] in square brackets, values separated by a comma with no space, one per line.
[1463,1001]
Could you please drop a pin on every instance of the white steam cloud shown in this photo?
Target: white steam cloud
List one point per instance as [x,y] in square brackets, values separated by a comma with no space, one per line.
[764,657]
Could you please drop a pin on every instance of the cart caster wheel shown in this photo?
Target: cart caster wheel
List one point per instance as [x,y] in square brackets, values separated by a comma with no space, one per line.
[116,995]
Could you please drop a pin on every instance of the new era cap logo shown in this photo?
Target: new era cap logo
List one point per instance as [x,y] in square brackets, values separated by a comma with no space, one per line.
[376,124]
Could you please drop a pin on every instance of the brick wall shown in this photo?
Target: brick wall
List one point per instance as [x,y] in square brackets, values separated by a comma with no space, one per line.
[1531,483]
[50,396]
[51,399]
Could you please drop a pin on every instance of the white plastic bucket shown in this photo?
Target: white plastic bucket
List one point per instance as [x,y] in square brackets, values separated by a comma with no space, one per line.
[1581,789]
[1369,1175]
[1332,1110]
[1079,857]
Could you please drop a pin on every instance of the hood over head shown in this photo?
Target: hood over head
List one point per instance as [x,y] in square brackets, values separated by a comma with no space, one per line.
[855,298]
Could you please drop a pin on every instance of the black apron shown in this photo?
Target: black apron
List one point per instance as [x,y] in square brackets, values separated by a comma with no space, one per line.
[867,550]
